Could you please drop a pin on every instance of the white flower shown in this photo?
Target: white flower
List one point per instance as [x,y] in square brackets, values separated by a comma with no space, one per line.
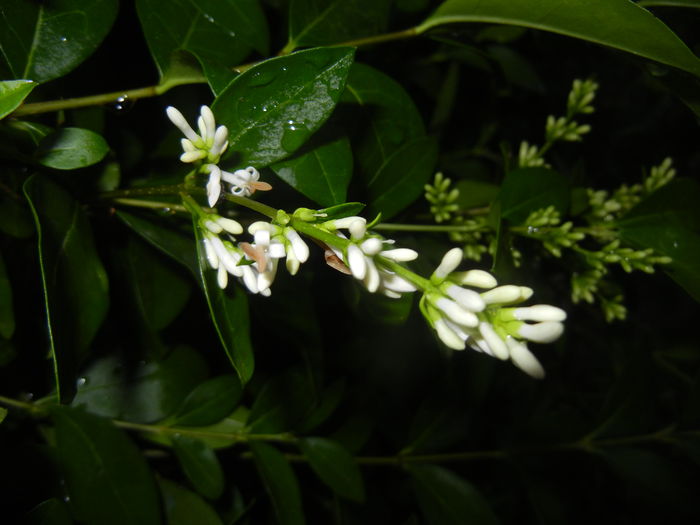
[210,143]
[245,182]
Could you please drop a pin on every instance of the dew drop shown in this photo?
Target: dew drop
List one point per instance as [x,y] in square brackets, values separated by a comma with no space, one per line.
[63,39]
[81,381]
[122,103]
[261,78]
[293,136]
[209,18]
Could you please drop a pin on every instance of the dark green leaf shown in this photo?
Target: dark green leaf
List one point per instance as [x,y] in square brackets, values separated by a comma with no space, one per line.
[200,465]
[7,313]
[473,193]
[280,483]
[15,219]
[335,466]
[529,189]
[674,205]
[12,93]
[216,32]
[669,3]
[107,478]
[160,293]
[319,22]
[71,148]
[616,23]
[342,210]
[273,108]
[184,507]
[74,280]
[282,402]
[229,313]
[45,40]
[384,310]
[171,242]
[3,414]
[50,512]
[210,402]
[143,392]
[329,400]
[319,170]
[393,119]
[447,499]
[401,179]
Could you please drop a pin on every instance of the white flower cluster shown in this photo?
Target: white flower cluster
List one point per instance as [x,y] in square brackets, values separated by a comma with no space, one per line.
[485,321]
[207,147]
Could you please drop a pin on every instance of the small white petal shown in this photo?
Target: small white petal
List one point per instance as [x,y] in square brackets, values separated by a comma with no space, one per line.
[222,277]
[400,254]
[193,156]
[391,294]
[292,263]
[176,118]
[357,262]
[456,313]
[301,250]
[371,280]
[476,278]
[212,258]
[480,345]
[209,122]
[226,258]
[262,237]
[213,227]
[214,185]
[468,299]
[345,222]
[249,278]
[187,145]
[259,225]
[539,312]
[231,226]
[496,344]
[502,295]
[220,142]
[541,332]
[448,336]
[393,282]
[266,293]
[276,250]
[449,263]
[371,246]
[525,293]
[357,229]
[524,359]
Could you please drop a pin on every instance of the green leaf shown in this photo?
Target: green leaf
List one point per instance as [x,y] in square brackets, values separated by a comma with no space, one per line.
[229,313]
[273,108]
[401,179]
[209,402]
[320,170]
[329,400]
[335,466]
[669,3]
[15,218]
[106,475]
[320,22]
[200,465]
[282,402]
[7,313]
[73,278]
[392,117]
[46,40]
[161,235]
[12,93]
[3,414]
[447,499]
[280,483]
[473,193]
[675,204]
[71,148]
[160,293]
[218,33]
[50,512]
[342,210]
[184,507]
[615,23]
[136,391]
[529,189]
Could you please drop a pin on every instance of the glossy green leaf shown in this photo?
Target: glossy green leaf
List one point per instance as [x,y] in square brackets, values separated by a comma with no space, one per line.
[209,402]
[160,292]
[184,507]
[7,313]
[280,483]
[200,465]
[675,204]
[216,32]
[71,148]
[335,466]
[229,313]
[73,278]
[401,179]
[50,512]
[46,40]
[272,109]
[387,115]
[282,402]
[328,402]
[161,235]
[529,189]
[669,3]
[320,170]
[116,387]
[342,210]
[12,93]
[447,499]
[15,218]
[615,23]
[319,22]
[107,477]
[473,193]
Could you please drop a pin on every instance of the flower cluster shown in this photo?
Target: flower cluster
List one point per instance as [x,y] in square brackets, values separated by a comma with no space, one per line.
[206,148]
[442,199]
[487,322]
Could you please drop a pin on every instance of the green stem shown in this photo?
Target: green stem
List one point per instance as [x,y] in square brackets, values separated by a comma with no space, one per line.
[412,277]
[370,40]
[23,405]
[154,205]
[388,226]
[199,433]
[315,232]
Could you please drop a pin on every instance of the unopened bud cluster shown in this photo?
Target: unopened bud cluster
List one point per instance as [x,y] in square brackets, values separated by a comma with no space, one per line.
[442,199]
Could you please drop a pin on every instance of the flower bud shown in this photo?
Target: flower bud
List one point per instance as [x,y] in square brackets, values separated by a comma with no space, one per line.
[449,263]
[539,312]
[545,332]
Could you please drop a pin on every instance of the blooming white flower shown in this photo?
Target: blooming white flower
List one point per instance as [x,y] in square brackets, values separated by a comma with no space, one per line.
[210,143]
[245,182]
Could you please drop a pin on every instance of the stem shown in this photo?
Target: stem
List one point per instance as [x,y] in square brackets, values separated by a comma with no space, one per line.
[376,39]
[313,231]
[198,433]
[388,226]
[412,277]
[16,403]
[155,205]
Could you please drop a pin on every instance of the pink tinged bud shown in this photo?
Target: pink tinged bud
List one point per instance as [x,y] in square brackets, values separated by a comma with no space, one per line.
[524,359]
[476,278]
[212,258]
[541,332]
[456,313]
[395,283]
[193,156]
[502,295]
[357,262]
[496,344]
[449,263]
[222,277]
[231,226]
[448,336]
[400,254]
[357,229]
[176,118]
[371,246]
[209,123]
[539,312]
[371,280]
[468,299]
[301,250]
